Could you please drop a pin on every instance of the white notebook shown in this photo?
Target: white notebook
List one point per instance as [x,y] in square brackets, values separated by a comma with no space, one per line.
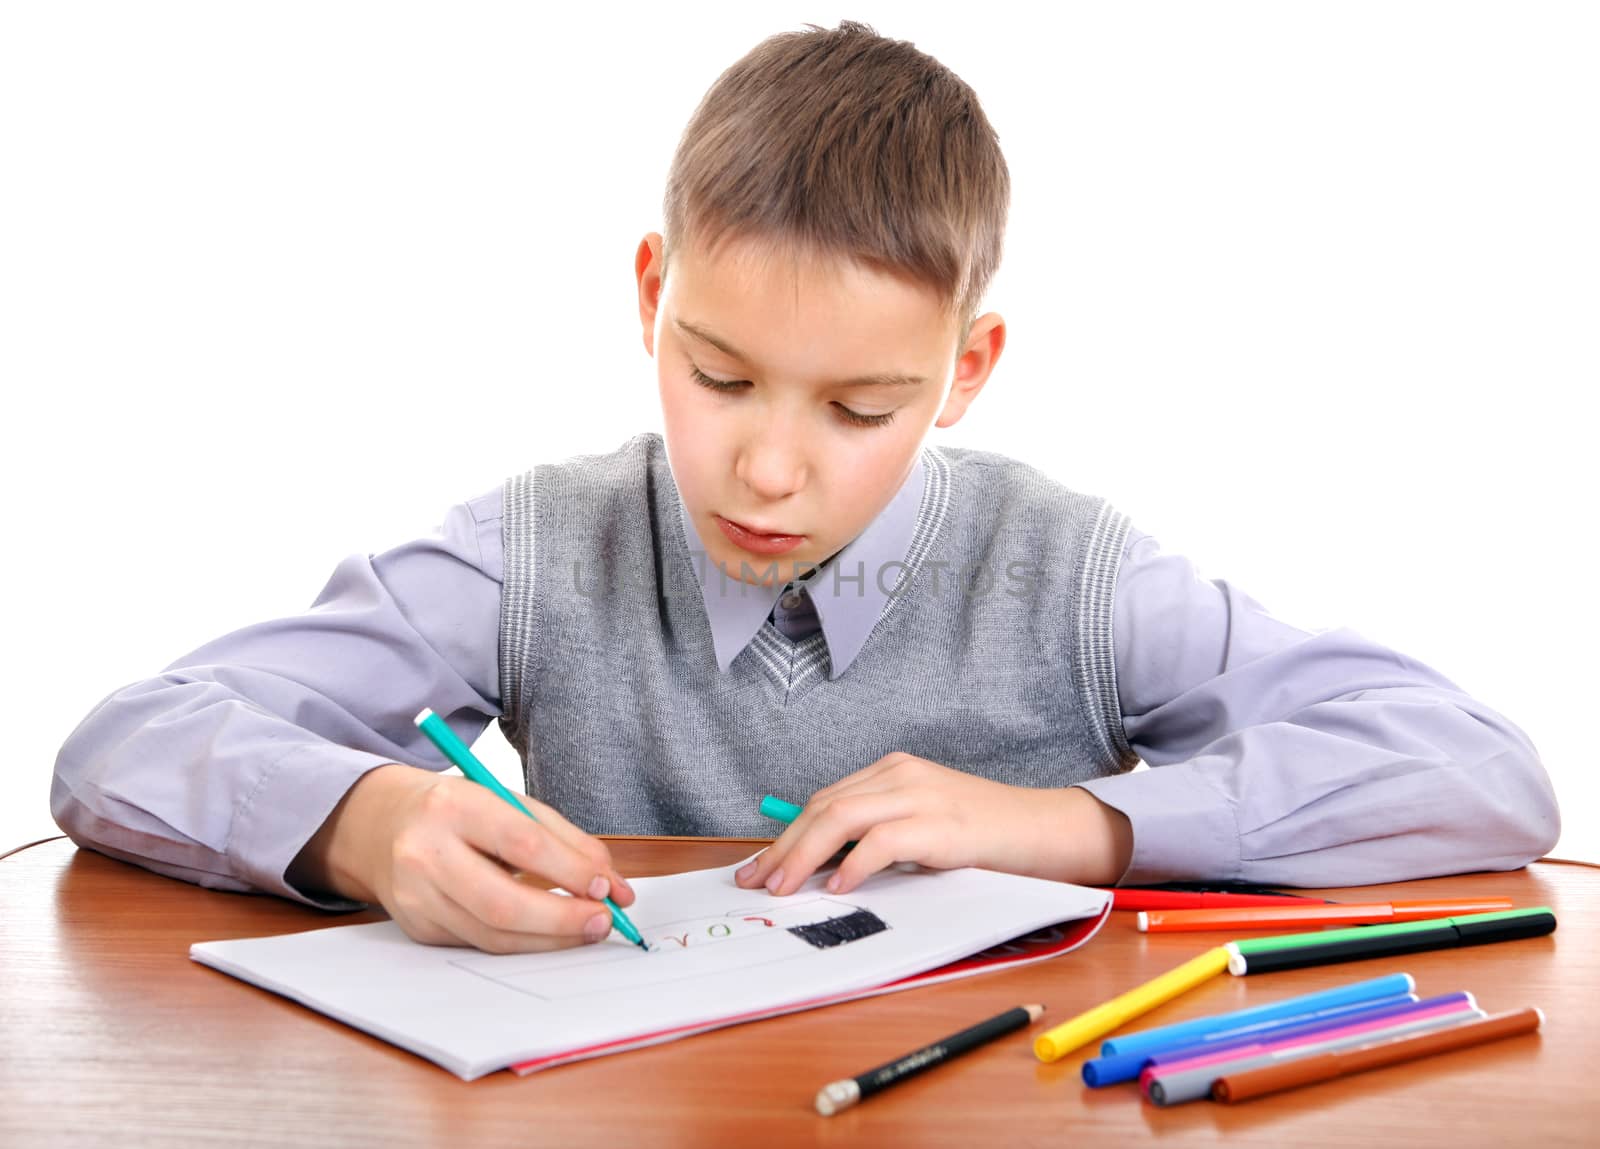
[719,955]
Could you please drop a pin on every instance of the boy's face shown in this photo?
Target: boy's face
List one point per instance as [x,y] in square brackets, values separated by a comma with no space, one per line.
[792,448]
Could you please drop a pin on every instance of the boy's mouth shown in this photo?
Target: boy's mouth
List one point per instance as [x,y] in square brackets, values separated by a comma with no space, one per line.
[759,542]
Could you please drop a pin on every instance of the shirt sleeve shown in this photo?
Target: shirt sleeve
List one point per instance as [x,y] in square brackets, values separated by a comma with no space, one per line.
[219,769]
[1288,757]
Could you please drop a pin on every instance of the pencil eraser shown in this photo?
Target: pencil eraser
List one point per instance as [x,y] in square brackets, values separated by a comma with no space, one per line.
[1142,922]
[427,713]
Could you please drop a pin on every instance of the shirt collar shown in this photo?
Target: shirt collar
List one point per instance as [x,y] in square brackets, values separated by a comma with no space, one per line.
[849,590]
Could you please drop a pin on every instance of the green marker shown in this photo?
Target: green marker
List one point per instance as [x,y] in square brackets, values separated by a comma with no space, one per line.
[1294,951]
[457,751]
[1249,946]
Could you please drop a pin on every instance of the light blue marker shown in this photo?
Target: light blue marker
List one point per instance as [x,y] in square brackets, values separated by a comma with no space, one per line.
[459,753]
[1200,1027]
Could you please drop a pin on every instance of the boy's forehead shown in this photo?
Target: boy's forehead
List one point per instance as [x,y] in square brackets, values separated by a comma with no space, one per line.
[719,293]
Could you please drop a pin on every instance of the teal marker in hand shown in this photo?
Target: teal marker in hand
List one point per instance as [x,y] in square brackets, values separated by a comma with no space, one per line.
[457,751]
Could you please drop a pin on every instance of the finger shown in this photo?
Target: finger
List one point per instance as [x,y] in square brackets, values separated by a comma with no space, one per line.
[621,892]
[412,899]
[841,820]
[759,872]
[906,840]
[755,873]
[499,905]
[583,842]
[416,915]
[487,824]
[456,919]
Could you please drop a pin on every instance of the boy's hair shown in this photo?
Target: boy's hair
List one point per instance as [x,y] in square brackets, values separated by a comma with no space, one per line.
[845,143]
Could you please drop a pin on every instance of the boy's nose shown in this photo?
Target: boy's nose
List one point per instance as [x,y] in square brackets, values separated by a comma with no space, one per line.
[772,466]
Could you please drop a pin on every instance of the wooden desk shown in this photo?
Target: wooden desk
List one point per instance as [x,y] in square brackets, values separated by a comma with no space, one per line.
[113,1036]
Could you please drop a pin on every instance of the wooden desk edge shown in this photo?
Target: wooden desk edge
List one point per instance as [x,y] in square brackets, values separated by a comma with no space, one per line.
[1549,860]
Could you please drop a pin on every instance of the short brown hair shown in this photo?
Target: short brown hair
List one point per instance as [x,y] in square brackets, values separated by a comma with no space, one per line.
[842,142]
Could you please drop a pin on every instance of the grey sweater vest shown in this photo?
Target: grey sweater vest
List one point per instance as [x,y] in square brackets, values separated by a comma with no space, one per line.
[994,656]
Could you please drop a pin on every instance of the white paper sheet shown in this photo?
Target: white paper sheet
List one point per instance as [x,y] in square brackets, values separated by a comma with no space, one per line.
[717,952]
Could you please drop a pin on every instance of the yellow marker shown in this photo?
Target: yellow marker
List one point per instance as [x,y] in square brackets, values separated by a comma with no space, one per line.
[1054,1044]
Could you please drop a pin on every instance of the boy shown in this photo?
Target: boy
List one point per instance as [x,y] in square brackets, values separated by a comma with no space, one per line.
[944,654]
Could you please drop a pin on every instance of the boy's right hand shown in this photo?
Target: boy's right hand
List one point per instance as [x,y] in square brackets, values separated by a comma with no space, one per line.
[447,859]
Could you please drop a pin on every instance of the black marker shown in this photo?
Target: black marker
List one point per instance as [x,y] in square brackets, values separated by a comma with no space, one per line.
[839,1095]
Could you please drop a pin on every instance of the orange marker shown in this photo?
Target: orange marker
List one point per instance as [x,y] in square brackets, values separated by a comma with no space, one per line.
[1311,917]
[1308,1070]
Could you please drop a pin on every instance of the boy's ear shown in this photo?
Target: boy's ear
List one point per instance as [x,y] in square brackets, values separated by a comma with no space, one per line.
[973,367]
[647,271]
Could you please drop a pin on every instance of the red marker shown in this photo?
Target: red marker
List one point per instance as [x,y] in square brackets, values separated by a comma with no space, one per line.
[1199,900]
[1310,917]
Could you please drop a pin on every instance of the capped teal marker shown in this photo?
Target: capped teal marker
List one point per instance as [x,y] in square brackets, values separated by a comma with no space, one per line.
[440,734]
[779,810]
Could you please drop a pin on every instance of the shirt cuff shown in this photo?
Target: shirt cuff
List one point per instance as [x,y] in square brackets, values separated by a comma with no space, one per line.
[288,805]
[1183,829]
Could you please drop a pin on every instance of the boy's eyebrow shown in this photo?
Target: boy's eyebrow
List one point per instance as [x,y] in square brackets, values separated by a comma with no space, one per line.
[892,380]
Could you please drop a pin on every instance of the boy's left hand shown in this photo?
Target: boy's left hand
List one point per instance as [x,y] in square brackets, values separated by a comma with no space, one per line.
[908,809]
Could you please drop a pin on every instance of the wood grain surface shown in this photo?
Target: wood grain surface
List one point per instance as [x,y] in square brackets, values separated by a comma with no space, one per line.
[114,1037]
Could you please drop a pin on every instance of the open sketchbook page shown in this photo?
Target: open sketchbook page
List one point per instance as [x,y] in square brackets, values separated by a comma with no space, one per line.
[1040,945]
[718,954]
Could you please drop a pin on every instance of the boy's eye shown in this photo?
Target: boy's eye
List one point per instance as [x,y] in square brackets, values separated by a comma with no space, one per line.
[715,384]
[727,386]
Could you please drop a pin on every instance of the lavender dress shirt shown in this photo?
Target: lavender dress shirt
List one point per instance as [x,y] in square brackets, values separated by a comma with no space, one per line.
[1279,755]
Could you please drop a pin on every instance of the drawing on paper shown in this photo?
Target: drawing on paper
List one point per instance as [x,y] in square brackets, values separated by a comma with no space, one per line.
[821,916]
[820,922]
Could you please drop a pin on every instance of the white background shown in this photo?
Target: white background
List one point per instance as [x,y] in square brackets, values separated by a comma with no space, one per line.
[1309,290]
